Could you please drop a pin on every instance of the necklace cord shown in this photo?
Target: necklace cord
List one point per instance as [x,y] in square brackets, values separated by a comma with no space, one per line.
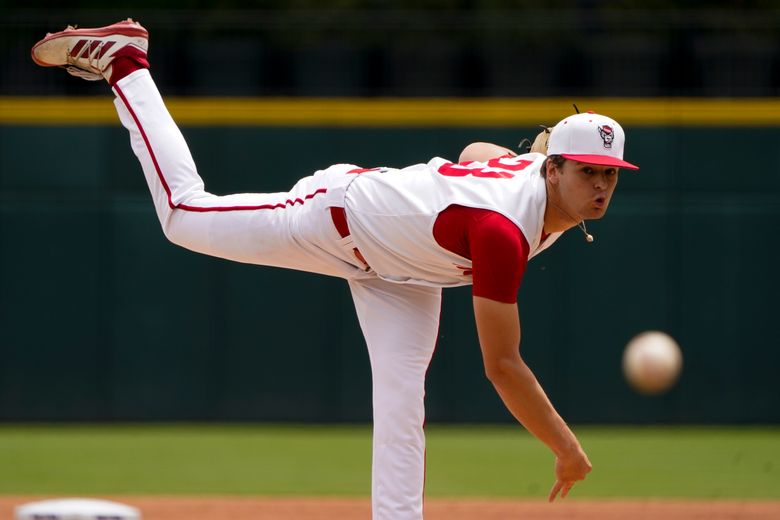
[581,224]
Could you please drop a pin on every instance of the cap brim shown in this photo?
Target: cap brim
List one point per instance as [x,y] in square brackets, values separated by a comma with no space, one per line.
[601,160]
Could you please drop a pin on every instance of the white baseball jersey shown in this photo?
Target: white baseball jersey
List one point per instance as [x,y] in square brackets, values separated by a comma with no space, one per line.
[391,213]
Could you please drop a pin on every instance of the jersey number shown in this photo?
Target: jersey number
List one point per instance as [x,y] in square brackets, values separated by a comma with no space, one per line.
[462,170]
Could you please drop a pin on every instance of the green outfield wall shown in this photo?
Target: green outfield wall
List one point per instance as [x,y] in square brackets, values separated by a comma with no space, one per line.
[102,319]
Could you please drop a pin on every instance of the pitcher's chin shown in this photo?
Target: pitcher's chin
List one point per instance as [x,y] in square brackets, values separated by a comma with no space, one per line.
[596,213]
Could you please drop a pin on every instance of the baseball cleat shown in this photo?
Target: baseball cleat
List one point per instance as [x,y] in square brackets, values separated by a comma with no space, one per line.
[88,53]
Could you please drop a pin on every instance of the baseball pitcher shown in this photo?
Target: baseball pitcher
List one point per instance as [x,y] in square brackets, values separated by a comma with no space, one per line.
[398,236]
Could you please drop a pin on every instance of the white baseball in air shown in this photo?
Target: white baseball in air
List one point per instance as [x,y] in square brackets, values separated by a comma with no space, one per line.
[652,362]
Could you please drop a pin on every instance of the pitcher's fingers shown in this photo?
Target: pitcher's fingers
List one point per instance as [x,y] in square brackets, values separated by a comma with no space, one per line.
[566,488]
[554,491]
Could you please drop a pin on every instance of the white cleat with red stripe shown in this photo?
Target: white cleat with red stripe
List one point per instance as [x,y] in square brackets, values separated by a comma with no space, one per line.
[88,53]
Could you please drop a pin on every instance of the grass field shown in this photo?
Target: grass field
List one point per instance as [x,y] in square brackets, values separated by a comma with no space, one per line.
[495,461]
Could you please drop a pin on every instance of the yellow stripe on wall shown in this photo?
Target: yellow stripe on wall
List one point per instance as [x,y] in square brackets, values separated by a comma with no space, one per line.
[396,112]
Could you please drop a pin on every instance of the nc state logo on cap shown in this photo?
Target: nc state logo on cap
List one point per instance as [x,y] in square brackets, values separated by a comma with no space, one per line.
[607,135]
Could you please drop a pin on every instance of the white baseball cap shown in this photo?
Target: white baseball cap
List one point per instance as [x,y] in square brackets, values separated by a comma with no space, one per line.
[589,138]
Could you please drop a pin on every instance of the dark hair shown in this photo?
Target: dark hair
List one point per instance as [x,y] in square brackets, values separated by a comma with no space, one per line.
[556,160]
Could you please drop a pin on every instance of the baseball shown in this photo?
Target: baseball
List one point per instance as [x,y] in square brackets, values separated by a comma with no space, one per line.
[652,362]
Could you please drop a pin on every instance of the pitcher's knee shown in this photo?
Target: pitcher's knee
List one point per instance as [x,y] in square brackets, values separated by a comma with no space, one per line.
[173,232]
[178,232]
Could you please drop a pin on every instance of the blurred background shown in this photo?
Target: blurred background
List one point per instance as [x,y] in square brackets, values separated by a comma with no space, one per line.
[427,47]
[102,319]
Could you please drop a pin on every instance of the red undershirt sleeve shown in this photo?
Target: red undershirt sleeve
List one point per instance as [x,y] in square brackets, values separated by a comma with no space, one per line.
[499,255]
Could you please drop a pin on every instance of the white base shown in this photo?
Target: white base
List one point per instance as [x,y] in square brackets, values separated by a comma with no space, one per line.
[76,509]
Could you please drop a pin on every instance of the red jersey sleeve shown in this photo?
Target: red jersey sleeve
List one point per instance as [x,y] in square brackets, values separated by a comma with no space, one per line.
[497,249]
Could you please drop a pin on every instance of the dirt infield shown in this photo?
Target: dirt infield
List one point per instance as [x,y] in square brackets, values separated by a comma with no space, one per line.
[251,508]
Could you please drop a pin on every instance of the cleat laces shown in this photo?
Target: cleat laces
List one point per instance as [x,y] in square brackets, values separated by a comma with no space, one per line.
[92,54]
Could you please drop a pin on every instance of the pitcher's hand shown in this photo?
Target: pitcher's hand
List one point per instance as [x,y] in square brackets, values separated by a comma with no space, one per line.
[569,469]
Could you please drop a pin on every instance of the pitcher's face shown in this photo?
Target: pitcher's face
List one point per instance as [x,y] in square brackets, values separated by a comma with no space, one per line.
[585,189]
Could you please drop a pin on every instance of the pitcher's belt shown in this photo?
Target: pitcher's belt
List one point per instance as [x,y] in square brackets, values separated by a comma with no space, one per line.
[339,217]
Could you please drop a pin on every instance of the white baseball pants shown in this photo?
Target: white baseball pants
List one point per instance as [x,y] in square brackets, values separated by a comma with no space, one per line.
[294,230]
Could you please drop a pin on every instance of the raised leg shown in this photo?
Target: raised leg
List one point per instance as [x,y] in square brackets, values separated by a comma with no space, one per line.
[286,229]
